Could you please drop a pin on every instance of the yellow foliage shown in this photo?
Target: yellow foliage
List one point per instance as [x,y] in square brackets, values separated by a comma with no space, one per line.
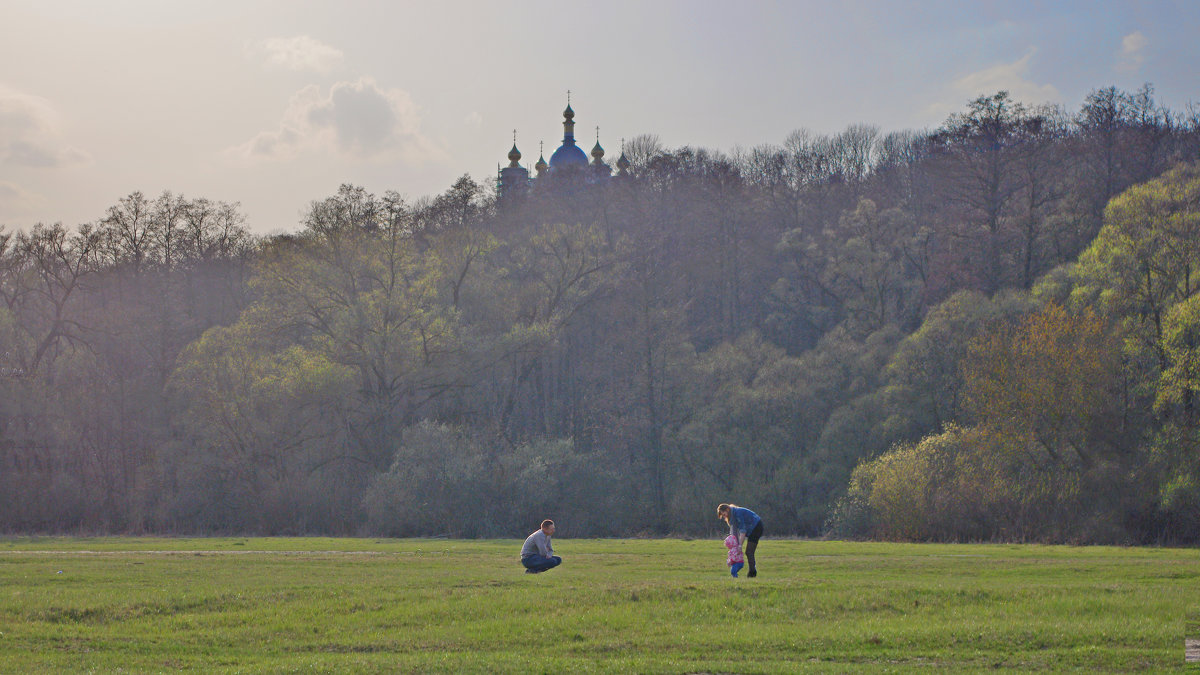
[1053,376]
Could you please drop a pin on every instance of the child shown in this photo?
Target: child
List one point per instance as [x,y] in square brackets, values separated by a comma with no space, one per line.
[736,561]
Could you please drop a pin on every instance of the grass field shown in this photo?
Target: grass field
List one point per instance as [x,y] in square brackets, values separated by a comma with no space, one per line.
[645,606]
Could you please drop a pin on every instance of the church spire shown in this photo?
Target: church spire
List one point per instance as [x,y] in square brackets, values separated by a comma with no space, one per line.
[568,154]
[541,163]
[514,155]
[597,151]
[514,178]
[569,122]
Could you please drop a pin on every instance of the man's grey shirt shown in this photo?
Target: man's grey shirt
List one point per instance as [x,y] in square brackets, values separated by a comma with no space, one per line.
[538,543]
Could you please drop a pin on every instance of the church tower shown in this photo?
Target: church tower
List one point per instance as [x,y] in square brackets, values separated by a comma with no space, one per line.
[598,171]
[541,165]
[568,156]
[623,161]
[514,178]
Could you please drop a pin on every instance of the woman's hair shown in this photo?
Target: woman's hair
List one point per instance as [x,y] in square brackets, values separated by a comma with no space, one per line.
[723,510]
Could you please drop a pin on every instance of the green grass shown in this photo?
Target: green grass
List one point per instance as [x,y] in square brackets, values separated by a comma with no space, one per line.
[337,605]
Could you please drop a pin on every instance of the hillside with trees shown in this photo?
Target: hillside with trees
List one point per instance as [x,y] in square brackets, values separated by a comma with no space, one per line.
[988,331]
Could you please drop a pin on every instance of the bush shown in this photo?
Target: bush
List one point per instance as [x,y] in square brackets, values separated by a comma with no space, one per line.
[457,481]
[972,484]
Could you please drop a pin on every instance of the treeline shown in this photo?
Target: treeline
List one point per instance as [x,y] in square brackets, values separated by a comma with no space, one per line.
[987,331]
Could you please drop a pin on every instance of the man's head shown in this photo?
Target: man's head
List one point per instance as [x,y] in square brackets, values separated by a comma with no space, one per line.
[548,527]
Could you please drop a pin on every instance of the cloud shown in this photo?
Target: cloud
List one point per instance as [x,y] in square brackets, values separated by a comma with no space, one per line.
[1011,77]
[357,119]
[16,201]
[12,192]
[31,133]
[474,120]
[298,53]
[1133,51]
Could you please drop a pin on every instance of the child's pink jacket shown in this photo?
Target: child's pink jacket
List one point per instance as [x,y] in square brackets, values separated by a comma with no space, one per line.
[735,549]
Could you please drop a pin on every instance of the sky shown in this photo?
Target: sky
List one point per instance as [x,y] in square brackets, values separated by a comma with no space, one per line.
[274,104]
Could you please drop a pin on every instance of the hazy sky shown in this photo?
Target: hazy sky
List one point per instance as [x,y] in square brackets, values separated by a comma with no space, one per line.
[274,104]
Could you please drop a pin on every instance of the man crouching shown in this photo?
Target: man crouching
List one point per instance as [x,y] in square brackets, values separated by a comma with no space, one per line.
[537,555]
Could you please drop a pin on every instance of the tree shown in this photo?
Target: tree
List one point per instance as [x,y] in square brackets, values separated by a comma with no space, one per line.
[641,149]
[260,418]
[354,289]
[1145,259]
[129,229]
[49,268]
[744,430]
[1040,163]
[1056,376]
[981,149]
[544,279]
[924,377]
[963,484]
[868,266]
[452,225]
[1179,384]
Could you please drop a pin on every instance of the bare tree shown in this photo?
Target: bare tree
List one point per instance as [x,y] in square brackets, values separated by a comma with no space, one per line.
[640,150]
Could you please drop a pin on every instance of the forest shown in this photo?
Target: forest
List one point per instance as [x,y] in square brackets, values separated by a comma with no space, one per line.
[989,331]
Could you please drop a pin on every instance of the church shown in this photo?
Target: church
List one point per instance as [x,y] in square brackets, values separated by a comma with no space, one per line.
[568,164]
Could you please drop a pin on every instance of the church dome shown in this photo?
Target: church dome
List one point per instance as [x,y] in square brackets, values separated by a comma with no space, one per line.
[514,155]
[597,151]
[568,154]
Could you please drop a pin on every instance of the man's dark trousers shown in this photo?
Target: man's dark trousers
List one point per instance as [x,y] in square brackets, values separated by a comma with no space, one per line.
[540,563]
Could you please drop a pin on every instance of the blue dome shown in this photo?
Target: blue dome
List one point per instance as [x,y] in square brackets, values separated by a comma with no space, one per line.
[568,155]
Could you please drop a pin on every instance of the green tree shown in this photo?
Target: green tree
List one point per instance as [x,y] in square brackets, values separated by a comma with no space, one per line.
[924,379]
[1179,383]
[260,417]
[868,266]
[742,437]
[1175,450]
[1145,258]
[354,289]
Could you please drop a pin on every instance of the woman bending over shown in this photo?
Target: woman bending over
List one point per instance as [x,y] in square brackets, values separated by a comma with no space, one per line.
[747,526]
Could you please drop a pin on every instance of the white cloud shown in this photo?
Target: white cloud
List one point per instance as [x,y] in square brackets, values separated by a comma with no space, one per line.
[1011,77]
[474,120]
[31,133]
[358,119]
[299,53]
[1132,54]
